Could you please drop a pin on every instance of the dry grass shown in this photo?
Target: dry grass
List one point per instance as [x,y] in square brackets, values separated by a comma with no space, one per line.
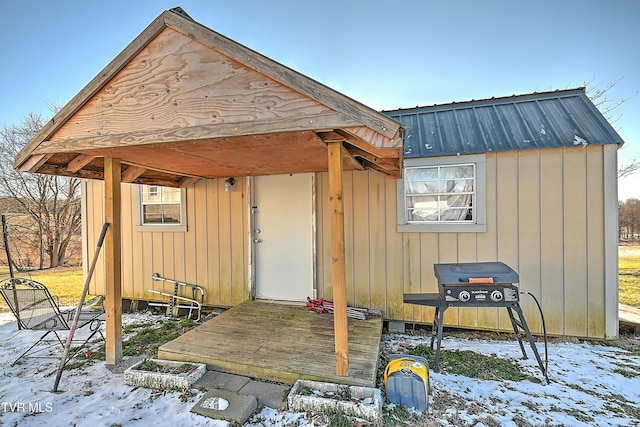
[64,282]
[629,275]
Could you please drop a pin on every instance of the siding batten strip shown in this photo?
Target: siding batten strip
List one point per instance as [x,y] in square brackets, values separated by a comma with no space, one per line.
[611,241]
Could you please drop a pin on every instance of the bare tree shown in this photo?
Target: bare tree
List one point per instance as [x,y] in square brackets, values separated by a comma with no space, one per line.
[52,202]
[607,107]
[628,169]
[629,219]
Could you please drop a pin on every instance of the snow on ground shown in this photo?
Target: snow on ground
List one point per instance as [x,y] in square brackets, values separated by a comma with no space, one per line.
[92,396]
[587,388]
[583,389]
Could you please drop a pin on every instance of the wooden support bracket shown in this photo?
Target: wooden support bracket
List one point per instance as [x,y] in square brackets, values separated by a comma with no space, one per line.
[79,162]
[330,136]
[131,173]
[350,160]
[187,181]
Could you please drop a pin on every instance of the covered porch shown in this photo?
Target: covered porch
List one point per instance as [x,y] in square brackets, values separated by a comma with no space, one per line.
[183,103]
[284,343]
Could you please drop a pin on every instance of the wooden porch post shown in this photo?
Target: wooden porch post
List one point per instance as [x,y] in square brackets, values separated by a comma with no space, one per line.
[337,259]
[113,260]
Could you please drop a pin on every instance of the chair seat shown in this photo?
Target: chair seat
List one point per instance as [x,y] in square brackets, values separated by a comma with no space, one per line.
[36,309]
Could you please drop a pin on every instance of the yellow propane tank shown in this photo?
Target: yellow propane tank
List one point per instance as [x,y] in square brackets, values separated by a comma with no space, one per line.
[406,380]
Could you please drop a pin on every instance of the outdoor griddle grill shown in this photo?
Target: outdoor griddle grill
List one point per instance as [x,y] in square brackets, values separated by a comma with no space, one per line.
[479,284]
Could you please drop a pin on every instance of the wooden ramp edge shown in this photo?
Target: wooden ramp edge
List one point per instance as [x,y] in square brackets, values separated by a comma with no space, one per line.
[629,317]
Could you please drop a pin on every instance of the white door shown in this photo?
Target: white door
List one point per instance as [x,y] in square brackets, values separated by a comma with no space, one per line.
[283,237]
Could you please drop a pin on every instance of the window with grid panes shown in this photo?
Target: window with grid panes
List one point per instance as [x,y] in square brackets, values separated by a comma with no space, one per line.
[442,194]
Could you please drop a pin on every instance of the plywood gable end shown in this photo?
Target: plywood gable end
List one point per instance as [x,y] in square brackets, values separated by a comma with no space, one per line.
[177,82]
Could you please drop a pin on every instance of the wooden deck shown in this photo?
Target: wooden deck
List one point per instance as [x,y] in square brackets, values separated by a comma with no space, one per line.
[629,317]
[279,342]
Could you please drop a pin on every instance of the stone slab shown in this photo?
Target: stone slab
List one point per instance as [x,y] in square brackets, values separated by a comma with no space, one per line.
[238,411]
[268,394]
[362,402]
[161,380]
[214,380]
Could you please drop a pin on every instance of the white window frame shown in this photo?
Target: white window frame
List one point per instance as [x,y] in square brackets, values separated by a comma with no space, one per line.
[169,227]
[153,191]
[479,222]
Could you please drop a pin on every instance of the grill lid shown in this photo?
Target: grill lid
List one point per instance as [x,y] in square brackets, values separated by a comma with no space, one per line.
[478,272]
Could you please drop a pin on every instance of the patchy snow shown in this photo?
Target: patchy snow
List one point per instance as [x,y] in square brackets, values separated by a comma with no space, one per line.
[586,388]
[217,403]
[582,383]
[579,141]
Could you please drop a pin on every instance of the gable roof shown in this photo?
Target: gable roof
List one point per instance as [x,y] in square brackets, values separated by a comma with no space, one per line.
[182,102]
[562,118]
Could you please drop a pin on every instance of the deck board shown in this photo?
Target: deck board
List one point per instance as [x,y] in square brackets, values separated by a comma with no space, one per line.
[279,342]
[629,317]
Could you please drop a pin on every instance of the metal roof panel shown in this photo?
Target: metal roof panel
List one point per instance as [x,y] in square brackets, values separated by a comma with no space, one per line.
[538,120]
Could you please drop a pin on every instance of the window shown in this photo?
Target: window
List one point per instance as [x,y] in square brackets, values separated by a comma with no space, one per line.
[162,207]
[153,192]
[442,194]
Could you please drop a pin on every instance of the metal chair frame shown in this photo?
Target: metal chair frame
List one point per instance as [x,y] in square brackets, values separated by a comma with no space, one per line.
[36,309]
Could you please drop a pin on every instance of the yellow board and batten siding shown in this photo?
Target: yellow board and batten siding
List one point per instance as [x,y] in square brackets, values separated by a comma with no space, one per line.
[546,218]
[211,253]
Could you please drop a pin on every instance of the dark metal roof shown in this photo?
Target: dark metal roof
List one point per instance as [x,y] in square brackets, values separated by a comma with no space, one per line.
[560,118]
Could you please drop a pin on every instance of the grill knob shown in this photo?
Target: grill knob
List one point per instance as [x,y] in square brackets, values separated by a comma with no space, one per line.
[496,295]
[464,296]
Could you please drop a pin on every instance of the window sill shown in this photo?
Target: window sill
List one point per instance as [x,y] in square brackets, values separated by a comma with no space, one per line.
[162,228]
[442,228]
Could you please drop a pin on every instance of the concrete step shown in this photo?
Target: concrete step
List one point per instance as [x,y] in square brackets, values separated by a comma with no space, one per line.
[243,395]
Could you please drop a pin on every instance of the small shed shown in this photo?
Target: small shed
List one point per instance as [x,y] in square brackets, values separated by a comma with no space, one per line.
[544,202]
[222,168]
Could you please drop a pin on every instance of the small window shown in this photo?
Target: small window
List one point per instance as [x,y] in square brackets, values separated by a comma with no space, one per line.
[442,194]
[153,192]
[162,207]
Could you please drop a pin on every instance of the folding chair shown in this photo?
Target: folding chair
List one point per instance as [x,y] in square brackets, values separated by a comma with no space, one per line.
[36,309]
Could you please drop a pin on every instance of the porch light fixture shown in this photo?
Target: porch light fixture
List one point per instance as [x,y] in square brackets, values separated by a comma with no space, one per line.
[228,183]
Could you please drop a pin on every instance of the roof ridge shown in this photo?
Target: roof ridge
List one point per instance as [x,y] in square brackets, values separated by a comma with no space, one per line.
[180,11]
[493,99]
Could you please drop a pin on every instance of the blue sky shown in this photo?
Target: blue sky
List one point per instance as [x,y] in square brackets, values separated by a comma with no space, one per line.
[384,54]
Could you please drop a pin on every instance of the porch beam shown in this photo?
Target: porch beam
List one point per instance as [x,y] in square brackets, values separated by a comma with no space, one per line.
[330,136]
[79,162]
[394,173]
[131,173]
[167,179]
[195,133]
[382,153]
[33,163]
[388,164]
[337,259]
[113,260]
